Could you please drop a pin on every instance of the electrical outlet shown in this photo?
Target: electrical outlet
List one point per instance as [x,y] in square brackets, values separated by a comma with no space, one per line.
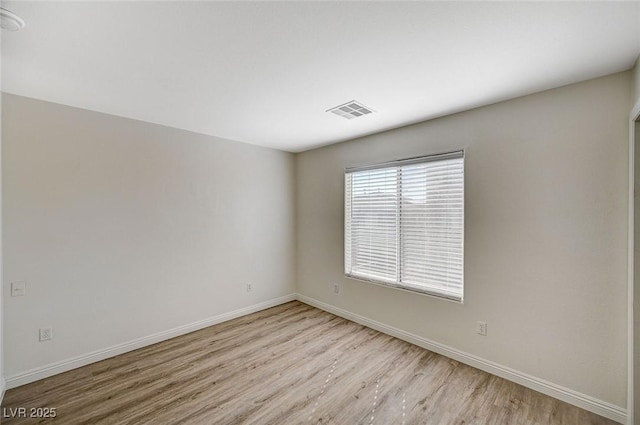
[249,287]
[336,288]
[46,334]
[19,289]
[481,328]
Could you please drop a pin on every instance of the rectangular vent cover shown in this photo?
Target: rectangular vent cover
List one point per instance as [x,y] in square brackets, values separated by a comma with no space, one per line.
[351,110]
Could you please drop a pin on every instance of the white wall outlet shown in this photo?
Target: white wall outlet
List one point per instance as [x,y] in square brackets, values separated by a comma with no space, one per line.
[249,287]
[481,328]
[19,289]
[336,288]
[46,334]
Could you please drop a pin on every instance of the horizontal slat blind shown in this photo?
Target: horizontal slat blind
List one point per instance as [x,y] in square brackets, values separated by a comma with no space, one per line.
[432,226]
[404,224]
[373,223]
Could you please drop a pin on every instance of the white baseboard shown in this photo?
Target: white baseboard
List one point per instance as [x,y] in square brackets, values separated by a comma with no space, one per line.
[3,387]
[105,353]
[583,401]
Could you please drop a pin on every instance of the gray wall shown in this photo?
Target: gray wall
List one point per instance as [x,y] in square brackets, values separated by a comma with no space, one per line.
[123,229]
[545,242]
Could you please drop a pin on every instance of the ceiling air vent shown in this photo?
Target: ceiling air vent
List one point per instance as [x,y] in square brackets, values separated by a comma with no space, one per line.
[351,110]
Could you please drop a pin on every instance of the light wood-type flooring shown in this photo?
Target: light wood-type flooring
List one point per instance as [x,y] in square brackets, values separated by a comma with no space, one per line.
[291,364]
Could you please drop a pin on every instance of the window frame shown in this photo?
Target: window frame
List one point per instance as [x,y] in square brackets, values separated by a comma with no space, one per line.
[454,297]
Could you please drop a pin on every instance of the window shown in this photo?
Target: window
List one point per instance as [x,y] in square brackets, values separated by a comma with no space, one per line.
[404,224]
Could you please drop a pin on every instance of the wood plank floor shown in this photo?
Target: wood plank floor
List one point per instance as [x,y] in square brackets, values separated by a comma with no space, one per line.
[291,364]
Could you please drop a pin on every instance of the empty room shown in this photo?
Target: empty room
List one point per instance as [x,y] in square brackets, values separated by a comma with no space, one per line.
[302,212]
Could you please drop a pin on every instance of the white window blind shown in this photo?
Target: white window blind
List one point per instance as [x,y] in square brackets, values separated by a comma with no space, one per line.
[404,224]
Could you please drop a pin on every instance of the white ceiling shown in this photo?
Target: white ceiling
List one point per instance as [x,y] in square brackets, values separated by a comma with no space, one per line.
[265,73]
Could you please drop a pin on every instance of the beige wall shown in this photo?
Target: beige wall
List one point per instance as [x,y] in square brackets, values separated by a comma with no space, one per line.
[545,242]
[123,229]
[635,84]
[2,381]
[636,274]
[635,104]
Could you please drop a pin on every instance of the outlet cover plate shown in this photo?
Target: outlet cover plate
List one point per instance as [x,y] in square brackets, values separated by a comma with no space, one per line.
[46,334]
[19,289]
[481,328]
